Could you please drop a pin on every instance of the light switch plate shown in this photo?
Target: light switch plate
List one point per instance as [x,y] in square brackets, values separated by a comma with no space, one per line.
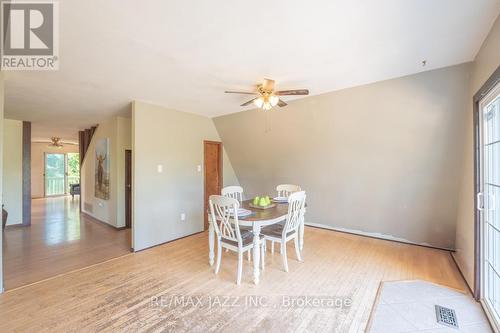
[159,168]
[183,217]
[199,168]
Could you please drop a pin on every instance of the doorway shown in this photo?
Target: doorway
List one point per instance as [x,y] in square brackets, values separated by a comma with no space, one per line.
[61,170]
[488,203]
[212,166]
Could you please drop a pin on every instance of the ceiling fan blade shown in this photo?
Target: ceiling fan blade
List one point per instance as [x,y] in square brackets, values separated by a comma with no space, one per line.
[242,92]
[249,102]
[282,103]
[292,92]
[268,85]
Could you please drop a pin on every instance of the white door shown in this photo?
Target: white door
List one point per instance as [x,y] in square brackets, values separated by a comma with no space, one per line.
[489,203]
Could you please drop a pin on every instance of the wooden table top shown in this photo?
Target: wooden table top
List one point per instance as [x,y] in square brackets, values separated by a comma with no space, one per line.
[281,209]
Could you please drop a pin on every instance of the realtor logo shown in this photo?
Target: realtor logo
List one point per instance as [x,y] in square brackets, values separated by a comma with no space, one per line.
[29,35]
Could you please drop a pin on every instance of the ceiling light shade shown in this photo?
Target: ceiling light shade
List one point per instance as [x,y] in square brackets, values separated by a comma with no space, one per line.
[273,99]
[258,102]
[267,106]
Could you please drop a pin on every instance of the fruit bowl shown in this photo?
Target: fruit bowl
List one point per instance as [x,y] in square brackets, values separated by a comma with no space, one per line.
[262,207]
[263,202]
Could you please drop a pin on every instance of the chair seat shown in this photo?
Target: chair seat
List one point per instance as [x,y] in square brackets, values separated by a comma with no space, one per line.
[276,231]
[246,239]
[245,229]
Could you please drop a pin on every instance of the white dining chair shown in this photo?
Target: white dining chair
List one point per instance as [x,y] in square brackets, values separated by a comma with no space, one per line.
[224,213]
[236,192]
[284,191]
[290,230]
[233,191]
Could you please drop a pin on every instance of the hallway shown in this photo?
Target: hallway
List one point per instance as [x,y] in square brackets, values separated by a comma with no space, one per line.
[58,241]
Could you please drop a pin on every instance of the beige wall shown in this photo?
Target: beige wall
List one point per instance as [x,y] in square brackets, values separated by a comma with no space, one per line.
[174,140]
[38,150]
[486,62]
[13,170]
[379,159]
[117,130]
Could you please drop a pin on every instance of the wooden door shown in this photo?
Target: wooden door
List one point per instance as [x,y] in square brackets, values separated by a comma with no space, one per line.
[128,188]
[212,172]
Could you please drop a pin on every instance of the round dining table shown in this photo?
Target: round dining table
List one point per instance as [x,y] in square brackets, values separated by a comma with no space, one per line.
[256,221]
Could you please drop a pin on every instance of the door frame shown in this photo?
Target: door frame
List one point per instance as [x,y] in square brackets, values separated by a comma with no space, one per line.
[476,100]
[128,204]
[488,307]
[205,196]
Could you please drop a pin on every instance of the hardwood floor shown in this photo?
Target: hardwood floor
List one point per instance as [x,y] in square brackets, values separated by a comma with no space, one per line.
[58,241]
[134,292]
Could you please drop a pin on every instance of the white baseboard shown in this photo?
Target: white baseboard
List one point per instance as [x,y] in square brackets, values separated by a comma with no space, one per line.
[13,224]
[98,219]
[374,235]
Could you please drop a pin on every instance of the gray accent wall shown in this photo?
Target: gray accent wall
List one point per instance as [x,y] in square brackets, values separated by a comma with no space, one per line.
[382,159]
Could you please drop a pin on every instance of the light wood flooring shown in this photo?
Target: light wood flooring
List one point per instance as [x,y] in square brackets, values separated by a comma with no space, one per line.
[59,240]
[135,292]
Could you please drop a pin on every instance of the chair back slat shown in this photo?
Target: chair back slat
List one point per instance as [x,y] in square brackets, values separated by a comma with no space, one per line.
[296,211]
[235,192]
[284,190]
[224,213]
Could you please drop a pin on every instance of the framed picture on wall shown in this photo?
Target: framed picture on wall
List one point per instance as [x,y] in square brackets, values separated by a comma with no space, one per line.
[102,169]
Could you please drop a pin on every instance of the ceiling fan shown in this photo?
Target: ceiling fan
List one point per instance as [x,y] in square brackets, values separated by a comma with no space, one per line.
[56,142]
[267,97]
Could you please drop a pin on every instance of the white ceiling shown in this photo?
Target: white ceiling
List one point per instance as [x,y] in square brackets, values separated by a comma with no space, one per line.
[184,54]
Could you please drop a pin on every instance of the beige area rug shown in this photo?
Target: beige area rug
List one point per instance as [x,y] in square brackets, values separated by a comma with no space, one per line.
[409,306]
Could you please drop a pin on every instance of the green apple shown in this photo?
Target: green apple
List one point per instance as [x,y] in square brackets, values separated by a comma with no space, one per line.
[256,200]
[262,202]
[268,200]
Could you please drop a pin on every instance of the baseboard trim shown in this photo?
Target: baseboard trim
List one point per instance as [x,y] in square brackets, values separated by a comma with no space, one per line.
[376,236]
[95,219]
[17,226]
[461,273]
[170,241]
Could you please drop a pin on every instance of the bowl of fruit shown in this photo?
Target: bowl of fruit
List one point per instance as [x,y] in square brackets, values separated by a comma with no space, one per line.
[262,202]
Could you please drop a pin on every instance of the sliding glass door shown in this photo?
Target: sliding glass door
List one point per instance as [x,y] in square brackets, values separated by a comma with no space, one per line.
[489,203]
[61,170]
[55,174]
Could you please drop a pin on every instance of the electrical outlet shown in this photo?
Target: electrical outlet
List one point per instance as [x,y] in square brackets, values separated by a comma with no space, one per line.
[199,168]
[183,217]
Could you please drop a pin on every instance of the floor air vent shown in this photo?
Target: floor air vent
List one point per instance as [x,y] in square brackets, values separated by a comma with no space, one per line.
[446,316]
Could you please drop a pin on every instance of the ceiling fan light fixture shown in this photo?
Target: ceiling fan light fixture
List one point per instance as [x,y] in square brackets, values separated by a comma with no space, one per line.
[267,97]
[273,99]
[259,102]
[267,106]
